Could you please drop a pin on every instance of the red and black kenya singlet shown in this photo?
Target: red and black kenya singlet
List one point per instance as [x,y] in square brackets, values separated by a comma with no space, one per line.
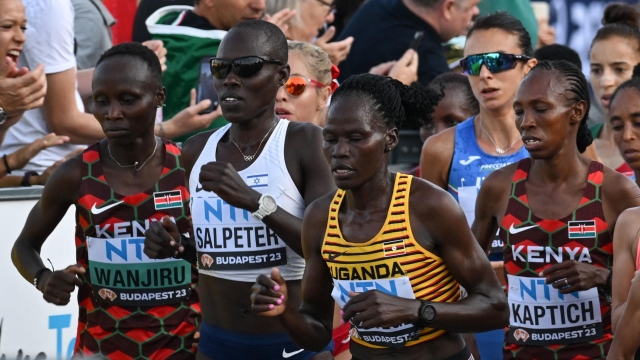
[544,323]
[132,306]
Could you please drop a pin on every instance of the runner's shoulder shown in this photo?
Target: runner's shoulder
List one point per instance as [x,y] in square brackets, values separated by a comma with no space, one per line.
[426,197]
[615,184]
[440,145]
[66,179]
[319,207]
[194,145]
[302,132]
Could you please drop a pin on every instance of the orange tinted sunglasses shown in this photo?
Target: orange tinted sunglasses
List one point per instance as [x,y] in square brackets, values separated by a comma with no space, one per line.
[296,85]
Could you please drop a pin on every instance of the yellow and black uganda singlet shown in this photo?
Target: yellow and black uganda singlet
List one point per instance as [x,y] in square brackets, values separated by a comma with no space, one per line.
[392,262]
[132,306]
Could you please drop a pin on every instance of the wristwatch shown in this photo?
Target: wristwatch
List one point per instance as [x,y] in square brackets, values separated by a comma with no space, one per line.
[426,314]
[3,116]
[27,176]
[267,207]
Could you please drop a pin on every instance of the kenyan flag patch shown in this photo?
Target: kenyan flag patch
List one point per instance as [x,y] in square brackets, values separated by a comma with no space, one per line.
[167,199]
[582,229]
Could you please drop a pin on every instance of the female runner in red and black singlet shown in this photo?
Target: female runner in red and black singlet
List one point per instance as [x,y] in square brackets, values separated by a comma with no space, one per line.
[556,212]
[130,306]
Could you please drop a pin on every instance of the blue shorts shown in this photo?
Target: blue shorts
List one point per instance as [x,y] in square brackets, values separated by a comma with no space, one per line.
[221,344]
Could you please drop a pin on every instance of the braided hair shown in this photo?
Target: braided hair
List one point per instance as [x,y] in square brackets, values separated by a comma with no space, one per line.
[399,105]
[579,87]
[634,82]
[457,82]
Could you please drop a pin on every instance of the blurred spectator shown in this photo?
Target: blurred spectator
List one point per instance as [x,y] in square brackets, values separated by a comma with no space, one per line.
[404,70]
[145,9]
[305,94]
[301,20]
[92,23]
[51,43]
[192,36]
[546,33]
[93,37]
[519,9]
[384,29]
[344,11]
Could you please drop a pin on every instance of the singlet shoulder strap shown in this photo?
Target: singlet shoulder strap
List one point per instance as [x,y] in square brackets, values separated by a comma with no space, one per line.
[522,172]
[596,173]
[333,230]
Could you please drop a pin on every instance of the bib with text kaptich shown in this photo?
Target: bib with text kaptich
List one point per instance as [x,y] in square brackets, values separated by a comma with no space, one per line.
[392,337]
[122,274]
[542,315]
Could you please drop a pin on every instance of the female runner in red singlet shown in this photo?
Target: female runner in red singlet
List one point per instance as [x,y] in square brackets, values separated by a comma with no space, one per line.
[556,212]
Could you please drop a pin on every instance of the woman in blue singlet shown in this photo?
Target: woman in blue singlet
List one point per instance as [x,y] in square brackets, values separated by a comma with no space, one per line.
[497,57]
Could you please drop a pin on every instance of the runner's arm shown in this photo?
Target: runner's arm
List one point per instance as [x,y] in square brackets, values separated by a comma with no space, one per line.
[59,193]
[626,343]
[625,236]
[436,156]
[485,224]
[485,308]
[310,326]
[313,178]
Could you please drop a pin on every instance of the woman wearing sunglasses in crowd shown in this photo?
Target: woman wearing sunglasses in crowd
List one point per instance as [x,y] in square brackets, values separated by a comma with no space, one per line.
[305,95]
[555,212]
[614,52]
[301,20]
[497,57]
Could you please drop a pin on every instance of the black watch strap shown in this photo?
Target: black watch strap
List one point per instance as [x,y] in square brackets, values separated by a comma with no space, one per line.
[426,314]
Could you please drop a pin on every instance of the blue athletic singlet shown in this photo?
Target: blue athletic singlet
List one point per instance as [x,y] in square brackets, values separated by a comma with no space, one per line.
[470,166]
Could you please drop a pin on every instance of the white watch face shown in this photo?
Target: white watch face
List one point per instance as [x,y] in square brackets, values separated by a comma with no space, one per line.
[269,203]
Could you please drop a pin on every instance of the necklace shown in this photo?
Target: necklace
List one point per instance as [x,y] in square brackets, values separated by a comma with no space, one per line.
[135,164]
[499,150]
[250,157]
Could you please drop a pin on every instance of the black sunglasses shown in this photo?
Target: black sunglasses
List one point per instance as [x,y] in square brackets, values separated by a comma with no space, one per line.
[243,67]
[495,62]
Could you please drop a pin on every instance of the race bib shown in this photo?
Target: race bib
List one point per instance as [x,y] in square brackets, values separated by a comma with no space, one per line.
[467,196]
[229,238]
[122,274]
[394,337]
[541,315]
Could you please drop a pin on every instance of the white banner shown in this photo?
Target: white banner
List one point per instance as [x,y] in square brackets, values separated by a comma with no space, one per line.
[27,322]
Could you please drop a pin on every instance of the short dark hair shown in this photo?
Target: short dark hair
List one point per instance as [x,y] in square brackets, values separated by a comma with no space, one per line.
[399,105]
[442,81]
[579,86]
[503,21]
[268,35]
[138,51]
[558,52]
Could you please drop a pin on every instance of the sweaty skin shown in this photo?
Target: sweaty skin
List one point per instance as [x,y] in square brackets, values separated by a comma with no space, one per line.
[437,224]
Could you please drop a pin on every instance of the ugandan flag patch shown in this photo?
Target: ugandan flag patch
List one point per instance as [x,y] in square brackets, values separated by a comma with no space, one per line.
[393,248]
[582,229]
[167,199]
